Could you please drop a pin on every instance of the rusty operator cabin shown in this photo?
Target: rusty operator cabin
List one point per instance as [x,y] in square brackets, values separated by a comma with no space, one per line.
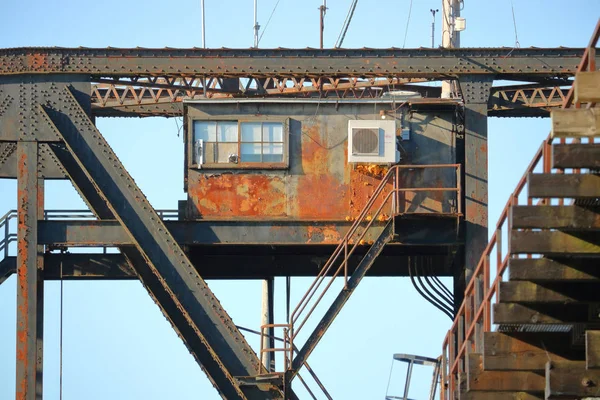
[305,169]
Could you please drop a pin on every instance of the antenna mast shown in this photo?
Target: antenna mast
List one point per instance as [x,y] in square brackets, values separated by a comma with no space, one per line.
[433,27]
[323,10]
[256,25]
[203,32]
[450,36]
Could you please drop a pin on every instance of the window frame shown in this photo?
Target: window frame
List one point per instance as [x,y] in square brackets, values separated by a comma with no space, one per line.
[284,164]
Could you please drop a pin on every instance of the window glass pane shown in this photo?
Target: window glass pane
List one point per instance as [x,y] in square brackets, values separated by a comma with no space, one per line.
[205,130]
[272,132]
[227,131]
[272,152]
[250,152]
[250,132]
[227,152]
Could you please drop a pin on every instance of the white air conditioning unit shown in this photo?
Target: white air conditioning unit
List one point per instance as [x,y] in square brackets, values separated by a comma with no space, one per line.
[372,141]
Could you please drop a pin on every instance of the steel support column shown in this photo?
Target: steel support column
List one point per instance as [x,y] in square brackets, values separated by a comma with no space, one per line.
[476,92]
[30,284]
[268,303]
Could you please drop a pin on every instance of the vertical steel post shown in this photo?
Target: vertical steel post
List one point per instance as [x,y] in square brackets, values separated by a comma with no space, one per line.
[30,291]
[268,338]
[475,92]
[322,11]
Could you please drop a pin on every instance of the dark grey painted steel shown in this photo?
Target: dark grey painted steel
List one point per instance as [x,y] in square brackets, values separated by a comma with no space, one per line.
[216,333]
[8,266]
[343,297]
[417,230]
[30,285]
[20,99]
[292,62]
[114,266]
[476,93]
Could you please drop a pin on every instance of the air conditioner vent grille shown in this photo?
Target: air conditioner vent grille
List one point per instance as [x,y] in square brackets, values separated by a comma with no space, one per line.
[365,141]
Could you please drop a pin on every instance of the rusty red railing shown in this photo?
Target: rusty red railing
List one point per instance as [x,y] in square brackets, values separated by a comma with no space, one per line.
[387,196]
[474,316]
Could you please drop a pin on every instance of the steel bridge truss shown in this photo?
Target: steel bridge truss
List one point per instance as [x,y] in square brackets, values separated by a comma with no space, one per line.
[49,97]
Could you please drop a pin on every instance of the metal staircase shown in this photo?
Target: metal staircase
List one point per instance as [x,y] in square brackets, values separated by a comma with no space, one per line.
[383,211]
[544,294]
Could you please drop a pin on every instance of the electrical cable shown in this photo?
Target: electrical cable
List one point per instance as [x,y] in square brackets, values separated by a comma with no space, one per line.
[412,279]
[426,297]
[407,23]
[269,20]
[440,285]
[387,390]
[60,396]
[432,296]
[442,299]
[288,287]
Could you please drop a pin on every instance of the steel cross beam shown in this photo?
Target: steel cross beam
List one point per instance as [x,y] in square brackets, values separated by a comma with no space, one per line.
[159,262]
[504,63]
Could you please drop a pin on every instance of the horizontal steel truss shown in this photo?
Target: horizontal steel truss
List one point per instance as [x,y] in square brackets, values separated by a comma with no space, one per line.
[153,82]
[162,96]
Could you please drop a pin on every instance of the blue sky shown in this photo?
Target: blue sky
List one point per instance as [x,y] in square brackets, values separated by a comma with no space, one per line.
[117,344]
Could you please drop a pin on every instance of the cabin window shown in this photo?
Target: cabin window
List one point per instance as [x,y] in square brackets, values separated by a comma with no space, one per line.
[239,144]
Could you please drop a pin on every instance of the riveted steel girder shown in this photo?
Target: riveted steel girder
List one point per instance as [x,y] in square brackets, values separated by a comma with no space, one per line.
[159,261]
[503,62]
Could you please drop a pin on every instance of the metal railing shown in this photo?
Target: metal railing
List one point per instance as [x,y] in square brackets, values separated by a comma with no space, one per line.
[474,316]
[387,194]
[9,233]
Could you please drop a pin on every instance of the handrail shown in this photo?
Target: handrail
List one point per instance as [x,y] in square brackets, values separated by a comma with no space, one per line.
[9,236]
[393,177]
[474,315]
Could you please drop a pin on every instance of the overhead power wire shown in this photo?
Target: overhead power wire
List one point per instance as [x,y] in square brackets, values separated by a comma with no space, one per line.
[349,16]
[512,6]
[407,23]
[269,20]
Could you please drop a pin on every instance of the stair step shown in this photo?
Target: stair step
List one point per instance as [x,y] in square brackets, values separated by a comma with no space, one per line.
[544,315]
[555,217]
[563,185]
[500,381]
[547,270]
[592,349]
[530,292]
[526,351]
[576,155]
[571,380]
[575,122]
[555,243]
[475,395]
[587,87]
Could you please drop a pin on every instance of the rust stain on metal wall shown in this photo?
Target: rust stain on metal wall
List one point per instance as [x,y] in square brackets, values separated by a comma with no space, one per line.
[37,62]
[230,195]
[308,190]
[323,235]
